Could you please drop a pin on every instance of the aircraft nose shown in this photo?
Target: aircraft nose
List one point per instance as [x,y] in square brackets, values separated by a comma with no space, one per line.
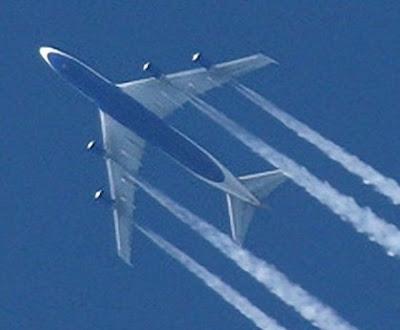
[45,51]
[54,57]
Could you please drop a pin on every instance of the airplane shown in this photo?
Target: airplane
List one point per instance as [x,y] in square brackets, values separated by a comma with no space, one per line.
[133,114]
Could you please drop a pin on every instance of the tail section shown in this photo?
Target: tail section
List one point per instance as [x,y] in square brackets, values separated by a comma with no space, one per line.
[240,212]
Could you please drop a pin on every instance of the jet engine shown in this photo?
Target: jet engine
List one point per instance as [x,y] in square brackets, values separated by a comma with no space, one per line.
[146,66]
[98,194]
[200,59]
[102,197]
[93,147]
[150,67]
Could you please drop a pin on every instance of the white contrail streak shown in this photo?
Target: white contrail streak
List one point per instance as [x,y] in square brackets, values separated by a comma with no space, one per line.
[364,220]
[386,186]
[226,292]
[309,307]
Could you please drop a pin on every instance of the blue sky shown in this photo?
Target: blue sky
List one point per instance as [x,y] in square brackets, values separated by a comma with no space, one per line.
[339,73]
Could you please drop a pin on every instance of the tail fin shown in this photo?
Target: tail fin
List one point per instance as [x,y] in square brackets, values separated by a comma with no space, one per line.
[240,212]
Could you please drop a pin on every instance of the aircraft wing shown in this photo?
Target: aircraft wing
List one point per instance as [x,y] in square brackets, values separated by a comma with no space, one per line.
[124,151]
[165,95]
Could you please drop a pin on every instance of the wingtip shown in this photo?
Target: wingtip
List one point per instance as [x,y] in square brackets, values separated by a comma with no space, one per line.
[270,60]
[127,260]
[237,240]
[125,257]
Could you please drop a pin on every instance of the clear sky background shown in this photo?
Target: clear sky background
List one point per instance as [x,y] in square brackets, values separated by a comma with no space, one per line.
[339,73]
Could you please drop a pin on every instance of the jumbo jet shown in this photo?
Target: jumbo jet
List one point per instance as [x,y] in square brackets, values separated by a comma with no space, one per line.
[133,114]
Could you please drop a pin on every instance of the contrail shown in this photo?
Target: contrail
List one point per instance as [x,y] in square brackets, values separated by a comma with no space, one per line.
[364,220]
[226,292]
[370,176]
[309,307]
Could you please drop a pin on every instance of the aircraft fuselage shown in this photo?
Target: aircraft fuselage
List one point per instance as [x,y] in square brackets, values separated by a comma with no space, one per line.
[127,111]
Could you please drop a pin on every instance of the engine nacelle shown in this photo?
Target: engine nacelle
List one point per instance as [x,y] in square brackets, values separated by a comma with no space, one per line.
[146,66]
[92,146]
[200,59]
[196,57]
[102,197]
[150,67]
[98,194]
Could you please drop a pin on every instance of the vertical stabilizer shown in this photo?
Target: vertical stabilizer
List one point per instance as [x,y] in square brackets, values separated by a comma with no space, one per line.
[240,212]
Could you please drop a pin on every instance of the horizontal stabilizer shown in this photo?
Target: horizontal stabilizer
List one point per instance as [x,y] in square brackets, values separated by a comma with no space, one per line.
[240,212]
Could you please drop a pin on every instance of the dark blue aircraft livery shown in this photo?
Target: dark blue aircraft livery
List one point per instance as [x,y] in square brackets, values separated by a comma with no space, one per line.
[132,114]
